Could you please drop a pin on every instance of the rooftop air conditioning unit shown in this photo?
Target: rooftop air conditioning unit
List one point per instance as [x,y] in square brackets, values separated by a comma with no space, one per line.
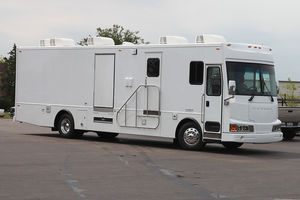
[210,39]
[62,42]
[45,42]
[100,41]
[173,40]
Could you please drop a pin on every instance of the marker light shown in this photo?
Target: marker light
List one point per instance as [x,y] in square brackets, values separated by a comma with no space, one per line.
[217,48]
[249,46]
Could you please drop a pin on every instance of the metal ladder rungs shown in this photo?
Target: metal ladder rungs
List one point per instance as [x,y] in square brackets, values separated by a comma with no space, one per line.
[148,115]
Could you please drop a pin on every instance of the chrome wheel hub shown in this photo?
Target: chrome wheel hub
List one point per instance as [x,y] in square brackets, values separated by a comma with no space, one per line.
[65,126]
[191,136]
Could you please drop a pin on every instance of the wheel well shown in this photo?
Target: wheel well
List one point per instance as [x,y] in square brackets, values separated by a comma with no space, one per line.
[60,113]
[185,121]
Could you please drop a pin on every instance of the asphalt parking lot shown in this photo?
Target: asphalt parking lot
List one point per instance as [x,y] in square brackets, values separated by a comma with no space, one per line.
[37,164]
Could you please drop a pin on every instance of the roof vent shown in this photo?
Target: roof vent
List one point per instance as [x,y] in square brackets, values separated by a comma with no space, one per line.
[61,42]
[173,40]
[210,39]
[100,41]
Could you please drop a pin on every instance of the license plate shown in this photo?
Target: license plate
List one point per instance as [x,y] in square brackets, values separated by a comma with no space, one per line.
[289,124]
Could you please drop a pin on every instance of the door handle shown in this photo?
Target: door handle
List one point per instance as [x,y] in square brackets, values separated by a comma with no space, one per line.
[207,103]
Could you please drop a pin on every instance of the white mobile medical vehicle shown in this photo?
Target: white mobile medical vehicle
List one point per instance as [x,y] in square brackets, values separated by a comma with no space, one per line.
[207,91]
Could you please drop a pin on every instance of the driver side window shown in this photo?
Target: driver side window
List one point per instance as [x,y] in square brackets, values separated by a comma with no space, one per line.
[213,87]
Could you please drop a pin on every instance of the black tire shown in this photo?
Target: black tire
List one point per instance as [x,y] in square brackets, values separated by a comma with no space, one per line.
[175,142]
[190,137]
[106,135]
[288,134]
[232,145]
[65,127]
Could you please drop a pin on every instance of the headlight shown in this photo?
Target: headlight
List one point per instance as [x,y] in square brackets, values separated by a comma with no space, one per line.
[241,128]
[276,128]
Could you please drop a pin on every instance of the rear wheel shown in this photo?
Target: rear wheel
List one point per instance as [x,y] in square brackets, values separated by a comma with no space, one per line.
[288,134]
[106,135]
[232,145]
[66,127]
[190,137]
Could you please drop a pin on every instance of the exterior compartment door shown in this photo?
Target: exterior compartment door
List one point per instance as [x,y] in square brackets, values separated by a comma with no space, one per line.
[104,81]
[213,102]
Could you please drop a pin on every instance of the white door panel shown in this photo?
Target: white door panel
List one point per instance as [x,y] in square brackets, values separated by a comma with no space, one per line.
[153,76]
[213,102]
[104,81]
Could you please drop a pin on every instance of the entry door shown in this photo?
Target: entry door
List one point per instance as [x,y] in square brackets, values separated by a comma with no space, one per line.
[153,79]
[213,102]
[104,81]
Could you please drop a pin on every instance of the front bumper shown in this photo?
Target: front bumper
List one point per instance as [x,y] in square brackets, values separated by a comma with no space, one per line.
[252,137]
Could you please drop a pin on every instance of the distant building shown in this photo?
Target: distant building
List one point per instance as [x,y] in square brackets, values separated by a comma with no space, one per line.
[283,90]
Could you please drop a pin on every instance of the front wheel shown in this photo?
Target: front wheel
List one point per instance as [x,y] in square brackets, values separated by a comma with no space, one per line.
[288,134]
[232,145]
[190,137]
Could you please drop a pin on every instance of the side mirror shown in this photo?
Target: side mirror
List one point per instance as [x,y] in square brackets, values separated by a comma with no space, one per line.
[231,87]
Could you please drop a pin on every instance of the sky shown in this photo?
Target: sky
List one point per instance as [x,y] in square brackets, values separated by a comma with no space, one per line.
[275,23]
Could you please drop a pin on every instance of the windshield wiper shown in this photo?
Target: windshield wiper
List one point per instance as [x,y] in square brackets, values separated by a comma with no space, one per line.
[272,99]
[251,98]
[264,84]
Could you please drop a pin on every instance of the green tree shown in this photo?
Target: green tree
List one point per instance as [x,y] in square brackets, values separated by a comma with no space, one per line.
[118,34]
[290,95]
[8,76]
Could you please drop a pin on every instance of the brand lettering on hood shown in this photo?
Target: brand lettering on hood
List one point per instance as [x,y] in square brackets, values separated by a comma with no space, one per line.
[261,108]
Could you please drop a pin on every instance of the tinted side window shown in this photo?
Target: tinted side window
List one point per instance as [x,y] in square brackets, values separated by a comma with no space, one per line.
[153,67]
[213,86]
[196,72]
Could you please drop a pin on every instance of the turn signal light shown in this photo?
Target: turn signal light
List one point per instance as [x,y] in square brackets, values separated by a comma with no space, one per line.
[241,128]
[233,128]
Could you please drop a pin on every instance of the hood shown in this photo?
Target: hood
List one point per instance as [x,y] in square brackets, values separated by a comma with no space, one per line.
[260,110]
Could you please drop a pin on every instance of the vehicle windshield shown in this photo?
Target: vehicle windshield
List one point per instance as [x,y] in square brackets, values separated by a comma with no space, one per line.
[252,78]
